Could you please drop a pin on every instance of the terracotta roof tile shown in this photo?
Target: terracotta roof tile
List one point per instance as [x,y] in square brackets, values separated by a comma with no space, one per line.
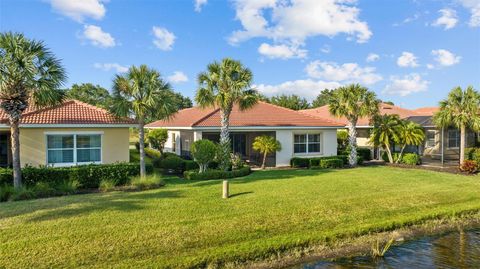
[426,111]
[384,108]
[262,114]
[69,112]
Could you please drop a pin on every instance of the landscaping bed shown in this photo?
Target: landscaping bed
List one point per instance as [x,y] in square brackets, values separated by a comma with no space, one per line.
[187,224]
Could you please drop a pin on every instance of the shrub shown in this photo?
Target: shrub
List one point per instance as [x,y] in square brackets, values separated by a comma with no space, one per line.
[469,166]
[190,165]
[173,163]
[43,189]
[107,185]
[328,163]
[152,153]
[149,182]
[6,176]
[5,192]
[411,159]
[385,156]
[67,187]
[157,138]
[216,174]
[360,160]
[365,153]
[203,152]
[237,161]
[137,145]
[299,162]
[22,193]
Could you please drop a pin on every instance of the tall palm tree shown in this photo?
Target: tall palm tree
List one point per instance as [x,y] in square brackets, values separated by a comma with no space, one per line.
[460,110]
[266,144]
[224,84]
[353,102]
[411,133]
[386,131]
[143,94]
[30,75]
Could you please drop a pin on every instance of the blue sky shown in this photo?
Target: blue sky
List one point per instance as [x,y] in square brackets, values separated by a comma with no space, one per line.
[409,52]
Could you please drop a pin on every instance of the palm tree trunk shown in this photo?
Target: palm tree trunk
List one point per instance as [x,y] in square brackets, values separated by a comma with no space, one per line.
[15,144]
[264,159]
[401,153]
[225,140]
[389,153]
[462,144]
[352,142]
[141,142]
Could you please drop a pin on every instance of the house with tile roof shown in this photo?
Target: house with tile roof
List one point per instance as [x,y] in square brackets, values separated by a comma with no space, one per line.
[439,145]
[300,134]
[68,134]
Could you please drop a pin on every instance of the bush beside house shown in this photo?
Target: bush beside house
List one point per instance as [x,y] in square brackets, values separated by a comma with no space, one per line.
[321,162]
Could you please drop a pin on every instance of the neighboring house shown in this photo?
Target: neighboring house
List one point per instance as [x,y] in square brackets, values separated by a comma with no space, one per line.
[69,134]
[300,135]
[431,149]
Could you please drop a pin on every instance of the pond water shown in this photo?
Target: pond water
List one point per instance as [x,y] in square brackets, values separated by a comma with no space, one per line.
[451,250]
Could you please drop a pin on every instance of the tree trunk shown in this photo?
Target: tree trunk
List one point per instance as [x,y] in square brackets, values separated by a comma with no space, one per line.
[401,154]
[141,142]
[225,140]
[15,144]
[352,142]
[264,159]
[462,144]
[389,153]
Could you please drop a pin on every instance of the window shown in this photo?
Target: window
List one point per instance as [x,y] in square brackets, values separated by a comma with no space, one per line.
[306,143]
[70,149]
[453,138]
[431,139]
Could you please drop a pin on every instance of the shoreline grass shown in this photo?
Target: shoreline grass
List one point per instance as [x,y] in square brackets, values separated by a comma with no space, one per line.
[187,224]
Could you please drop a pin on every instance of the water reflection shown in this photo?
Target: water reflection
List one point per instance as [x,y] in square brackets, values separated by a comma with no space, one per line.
[452,250]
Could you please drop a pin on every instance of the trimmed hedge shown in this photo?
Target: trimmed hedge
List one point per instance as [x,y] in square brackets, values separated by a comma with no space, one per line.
[329,163]
[216,174]
[407,158]
[88,176]
[309,162]
[365,153]
[173,163]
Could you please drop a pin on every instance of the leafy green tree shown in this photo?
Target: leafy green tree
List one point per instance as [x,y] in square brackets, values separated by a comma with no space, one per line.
[460,110]
[342,139]
[30,75]
[90,94]
[142,93]
[353,102]
[266,144]
[293,101]
[411,133]
[203,152]
[224,84]
[157,138]
[386,131]
[322,98]
[182,101]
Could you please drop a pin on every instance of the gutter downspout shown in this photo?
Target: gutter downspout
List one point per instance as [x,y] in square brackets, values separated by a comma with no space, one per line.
[442,145]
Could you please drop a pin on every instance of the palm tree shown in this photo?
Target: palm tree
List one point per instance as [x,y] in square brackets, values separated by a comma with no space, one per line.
[353,102]
[266,144]
[224,84]
[460,109]
[30,76]
[386,131]
[143,94]
[411,133]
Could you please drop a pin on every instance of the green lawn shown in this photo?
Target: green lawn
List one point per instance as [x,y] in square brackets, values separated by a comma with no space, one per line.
[188,224]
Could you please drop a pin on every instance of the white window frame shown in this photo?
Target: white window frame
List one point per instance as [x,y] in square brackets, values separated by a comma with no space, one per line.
[434,139]
[457,141]
[75,134]
[307,142]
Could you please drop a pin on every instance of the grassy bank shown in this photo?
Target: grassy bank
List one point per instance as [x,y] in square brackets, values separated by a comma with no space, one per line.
[187,224]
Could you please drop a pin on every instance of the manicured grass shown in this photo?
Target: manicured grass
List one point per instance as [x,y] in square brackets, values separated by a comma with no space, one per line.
[187,224]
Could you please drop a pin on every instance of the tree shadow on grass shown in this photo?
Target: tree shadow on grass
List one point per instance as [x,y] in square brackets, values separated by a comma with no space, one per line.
[240,193]
[70,206]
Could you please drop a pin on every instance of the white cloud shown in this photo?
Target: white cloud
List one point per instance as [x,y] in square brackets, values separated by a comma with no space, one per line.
[281,51]
[348,72]
[406,85]
[111,66]
[407,59]
[98,37]
[292,22]
[445,57]
[307,88]
[372,57]
[178,77]
[430,66]
[415,17]
[163,38]
[448,18]
[326,49]
[199,4]
[79,10]
[474,7]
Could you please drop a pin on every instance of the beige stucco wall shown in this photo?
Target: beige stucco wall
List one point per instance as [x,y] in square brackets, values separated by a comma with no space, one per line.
[115,144]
